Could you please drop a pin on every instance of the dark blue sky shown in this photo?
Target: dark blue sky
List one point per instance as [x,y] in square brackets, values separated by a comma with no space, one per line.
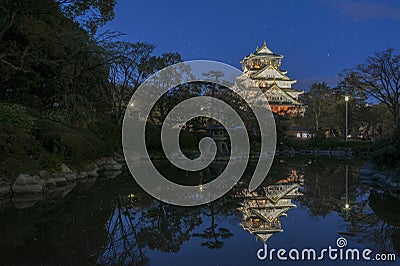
[318,38]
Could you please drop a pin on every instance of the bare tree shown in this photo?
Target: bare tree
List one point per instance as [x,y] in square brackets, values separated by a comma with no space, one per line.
[127,70]
[378,78]
[318,101]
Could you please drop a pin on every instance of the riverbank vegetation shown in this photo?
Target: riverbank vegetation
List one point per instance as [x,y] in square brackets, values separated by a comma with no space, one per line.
[65,83]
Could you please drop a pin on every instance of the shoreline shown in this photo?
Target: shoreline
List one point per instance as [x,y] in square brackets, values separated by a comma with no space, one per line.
[26,190]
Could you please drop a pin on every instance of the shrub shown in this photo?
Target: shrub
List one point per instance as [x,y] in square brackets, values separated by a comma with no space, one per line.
[386,152]
[74,146]
[109,132]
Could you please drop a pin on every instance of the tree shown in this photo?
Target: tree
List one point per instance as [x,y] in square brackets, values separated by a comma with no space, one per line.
[379,79]
[90,14]
[318,99]
[128,63]
[48,60]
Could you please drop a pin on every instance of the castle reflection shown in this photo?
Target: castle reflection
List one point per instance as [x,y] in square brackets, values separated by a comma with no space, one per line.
[262,211]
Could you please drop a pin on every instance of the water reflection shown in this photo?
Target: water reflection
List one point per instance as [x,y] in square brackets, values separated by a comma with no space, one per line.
[262,211]
[115,222]
[135,227]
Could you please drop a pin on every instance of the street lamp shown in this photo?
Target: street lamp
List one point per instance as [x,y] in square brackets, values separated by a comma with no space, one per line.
[346,98]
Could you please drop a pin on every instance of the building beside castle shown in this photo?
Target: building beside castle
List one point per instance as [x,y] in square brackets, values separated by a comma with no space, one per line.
[263,67]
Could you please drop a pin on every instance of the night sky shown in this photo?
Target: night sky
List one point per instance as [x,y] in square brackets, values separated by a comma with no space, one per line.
[318,38]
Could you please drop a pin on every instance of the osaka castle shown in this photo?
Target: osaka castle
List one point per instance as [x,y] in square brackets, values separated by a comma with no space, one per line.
[263,67]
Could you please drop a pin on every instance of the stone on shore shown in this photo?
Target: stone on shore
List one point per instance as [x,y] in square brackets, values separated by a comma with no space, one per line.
[69,174]
[91,170]
[111,164]
[26,184]
[53,179]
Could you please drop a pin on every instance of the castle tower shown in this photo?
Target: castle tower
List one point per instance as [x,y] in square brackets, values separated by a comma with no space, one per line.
[263,67]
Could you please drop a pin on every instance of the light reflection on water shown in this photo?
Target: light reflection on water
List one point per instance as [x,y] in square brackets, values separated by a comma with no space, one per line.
[114,222]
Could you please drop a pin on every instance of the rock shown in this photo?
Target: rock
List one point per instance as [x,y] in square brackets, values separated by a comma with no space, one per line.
[91,170]
[82,175]
[69,174]
[41,181]
[110,164]
[53,179]
[119,158]
[100,163]
[26,184]
[44,174]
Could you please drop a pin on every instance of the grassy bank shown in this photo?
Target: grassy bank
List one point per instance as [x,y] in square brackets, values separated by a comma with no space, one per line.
[31,141]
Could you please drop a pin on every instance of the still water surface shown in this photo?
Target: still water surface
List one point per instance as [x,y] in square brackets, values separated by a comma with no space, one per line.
[302,204]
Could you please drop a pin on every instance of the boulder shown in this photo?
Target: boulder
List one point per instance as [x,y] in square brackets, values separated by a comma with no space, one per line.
[91,170]
[100,163]
[53,179]
[41,181]
[82,175]
[69,174]
[110,164]
[26,184]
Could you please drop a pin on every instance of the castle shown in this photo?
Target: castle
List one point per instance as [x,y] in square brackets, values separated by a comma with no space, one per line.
[263,67]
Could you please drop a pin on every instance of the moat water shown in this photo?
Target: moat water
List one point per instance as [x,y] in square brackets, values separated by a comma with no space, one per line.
[113,221]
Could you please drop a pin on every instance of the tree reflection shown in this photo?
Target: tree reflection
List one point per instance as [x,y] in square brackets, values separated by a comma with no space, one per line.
[214,235]
[166,227]
[133,229]
[140,224]
[122,228]
[374,220]
[326,188]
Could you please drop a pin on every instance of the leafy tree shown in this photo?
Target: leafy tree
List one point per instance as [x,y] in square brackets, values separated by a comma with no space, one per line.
[48,62]
[91,14]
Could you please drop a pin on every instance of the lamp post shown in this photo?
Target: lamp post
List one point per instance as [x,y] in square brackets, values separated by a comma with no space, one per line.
[346,98]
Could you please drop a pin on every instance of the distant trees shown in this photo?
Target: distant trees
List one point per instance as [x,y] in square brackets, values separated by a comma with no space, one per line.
[318,100]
